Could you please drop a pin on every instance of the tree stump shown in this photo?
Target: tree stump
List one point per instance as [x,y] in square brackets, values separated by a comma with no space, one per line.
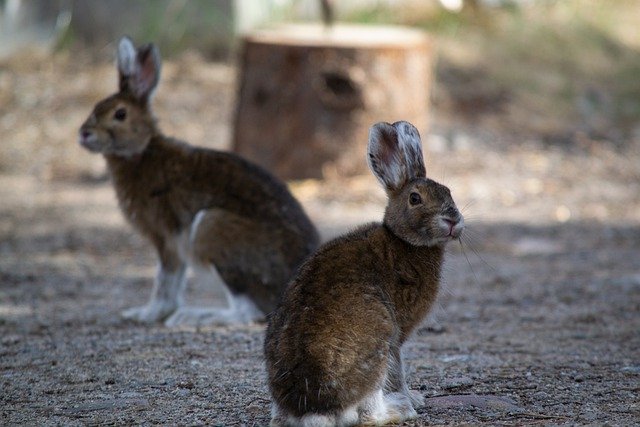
[308,94]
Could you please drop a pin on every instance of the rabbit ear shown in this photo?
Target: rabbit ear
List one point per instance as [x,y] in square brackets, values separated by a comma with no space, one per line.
[385,157]
[126,58]
[139,70]
[409,140]
[395,154]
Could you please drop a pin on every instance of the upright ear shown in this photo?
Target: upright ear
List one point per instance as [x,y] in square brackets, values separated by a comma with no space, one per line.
[395,154]
[385,157]
[139,70]
[126,59]
[409,139]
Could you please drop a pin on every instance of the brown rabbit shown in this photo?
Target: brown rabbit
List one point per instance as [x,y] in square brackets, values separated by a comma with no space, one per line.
[211,210]
[333,346]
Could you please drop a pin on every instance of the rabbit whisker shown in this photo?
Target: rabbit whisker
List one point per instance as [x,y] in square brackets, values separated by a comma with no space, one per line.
[469,204]
[473,249]
[468,262]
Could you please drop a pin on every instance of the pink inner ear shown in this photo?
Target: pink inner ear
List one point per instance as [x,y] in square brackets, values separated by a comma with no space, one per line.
[146,74]
[145,78]
[386,157]
[389,145]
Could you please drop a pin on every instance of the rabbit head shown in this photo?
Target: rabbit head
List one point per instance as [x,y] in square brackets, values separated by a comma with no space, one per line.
[123,124]
[420,211]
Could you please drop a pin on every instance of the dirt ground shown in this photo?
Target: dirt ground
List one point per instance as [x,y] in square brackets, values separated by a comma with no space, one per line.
[537,323]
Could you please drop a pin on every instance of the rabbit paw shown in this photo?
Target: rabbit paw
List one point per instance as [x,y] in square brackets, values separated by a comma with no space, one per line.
[379,409]
[416,398]
[149,313]
[399,407]
[197,316]
[192,316]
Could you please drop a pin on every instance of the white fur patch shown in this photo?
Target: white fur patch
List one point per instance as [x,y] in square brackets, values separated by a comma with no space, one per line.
[380,409]
[195,224]
[165,298]
[315,420]
[399,408]
[126,57]
[373,407]
[279,418]
[409,141]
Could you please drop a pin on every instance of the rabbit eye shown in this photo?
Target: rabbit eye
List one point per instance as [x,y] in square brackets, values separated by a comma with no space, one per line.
[415,199]
[120,114]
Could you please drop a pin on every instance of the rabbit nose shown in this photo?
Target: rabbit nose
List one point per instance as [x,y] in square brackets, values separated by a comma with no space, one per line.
[451,223]
[456,226]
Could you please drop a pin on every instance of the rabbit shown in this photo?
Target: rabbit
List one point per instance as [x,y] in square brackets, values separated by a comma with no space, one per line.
[231,221]
[333,345]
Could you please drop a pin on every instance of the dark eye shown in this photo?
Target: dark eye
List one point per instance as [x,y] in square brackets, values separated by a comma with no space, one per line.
[415,199]
[120,114]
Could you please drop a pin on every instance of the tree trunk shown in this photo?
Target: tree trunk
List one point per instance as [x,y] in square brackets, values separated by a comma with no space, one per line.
[309,94]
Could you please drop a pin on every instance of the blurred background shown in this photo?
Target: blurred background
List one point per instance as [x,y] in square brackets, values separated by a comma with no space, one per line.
[563,73]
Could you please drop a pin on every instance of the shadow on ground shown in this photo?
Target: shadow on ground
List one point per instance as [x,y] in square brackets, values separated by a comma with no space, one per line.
[534,324]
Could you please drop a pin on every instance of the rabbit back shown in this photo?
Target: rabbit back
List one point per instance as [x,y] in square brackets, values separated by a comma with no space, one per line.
[171,182]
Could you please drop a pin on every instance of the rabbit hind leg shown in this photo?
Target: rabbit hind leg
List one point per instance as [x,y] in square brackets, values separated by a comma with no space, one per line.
[205,239]
[253,258]
[239,309]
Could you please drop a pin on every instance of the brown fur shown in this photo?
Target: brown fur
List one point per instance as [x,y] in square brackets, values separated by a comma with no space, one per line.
[254,231]
[336,336]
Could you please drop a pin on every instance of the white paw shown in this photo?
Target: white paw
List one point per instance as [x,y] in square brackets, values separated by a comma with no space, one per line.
[195,316]
[379,409]
[399,408]
[416,398]
[149,313]
[187,316]
[313,420]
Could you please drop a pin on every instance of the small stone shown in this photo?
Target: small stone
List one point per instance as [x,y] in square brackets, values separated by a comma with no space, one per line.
[182,392]
[541,395]
[589,416]
[254,408]
[10,339]
[633,369]
[455,358]
[186,384]
[457,382]
[578,378]
[474,401]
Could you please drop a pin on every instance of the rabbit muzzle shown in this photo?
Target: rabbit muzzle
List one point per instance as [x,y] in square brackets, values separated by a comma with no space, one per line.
[452,227]
[89,140]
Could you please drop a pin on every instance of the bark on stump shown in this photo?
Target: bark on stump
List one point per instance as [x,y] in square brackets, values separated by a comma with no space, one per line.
[309,94]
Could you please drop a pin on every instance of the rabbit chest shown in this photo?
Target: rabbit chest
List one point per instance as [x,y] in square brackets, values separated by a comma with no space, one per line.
[148,198]
[413,285]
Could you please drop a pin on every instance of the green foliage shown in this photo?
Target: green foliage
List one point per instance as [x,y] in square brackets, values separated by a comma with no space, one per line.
[551,56]
[179,24]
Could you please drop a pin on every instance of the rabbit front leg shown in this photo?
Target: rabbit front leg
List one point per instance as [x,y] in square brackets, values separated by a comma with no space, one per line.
[396,381]
[167,292]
